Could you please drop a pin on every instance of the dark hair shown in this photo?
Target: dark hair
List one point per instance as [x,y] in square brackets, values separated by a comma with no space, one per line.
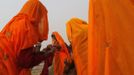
[53,36]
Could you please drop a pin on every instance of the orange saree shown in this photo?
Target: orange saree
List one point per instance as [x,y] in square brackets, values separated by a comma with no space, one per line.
[111,37]
[77,32]
[27,28]
[7,58]
[60,56]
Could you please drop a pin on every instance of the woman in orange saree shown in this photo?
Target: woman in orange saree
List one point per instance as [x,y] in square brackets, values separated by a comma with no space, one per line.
[77,32]
[61,55]
[27,28]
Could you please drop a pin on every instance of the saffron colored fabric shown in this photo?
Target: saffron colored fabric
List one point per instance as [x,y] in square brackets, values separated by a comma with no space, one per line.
[111,37]
[77,32]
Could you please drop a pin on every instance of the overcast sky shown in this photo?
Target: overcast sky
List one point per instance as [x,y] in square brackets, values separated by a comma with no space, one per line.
[59,12]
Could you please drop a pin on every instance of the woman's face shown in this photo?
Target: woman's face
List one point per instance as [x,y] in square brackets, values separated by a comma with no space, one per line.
[55,42]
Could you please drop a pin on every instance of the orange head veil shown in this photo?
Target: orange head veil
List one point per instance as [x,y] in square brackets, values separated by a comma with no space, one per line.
[38,12]
[62,43]
[29,26]
[74,25]
[77,32]
[60,56]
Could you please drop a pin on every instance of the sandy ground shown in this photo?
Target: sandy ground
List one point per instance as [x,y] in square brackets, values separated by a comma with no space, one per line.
[37,69]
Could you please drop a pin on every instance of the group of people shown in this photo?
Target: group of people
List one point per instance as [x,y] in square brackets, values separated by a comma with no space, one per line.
[104,46]
[20,43]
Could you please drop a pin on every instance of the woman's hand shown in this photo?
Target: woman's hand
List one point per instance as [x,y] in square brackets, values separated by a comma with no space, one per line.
[37,47]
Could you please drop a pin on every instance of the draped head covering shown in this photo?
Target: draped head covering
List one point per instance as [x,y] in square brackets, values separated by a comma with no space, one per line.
[74,23]
[28,27]
[77,34]
[38,12]
[111,36]
[60,56]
